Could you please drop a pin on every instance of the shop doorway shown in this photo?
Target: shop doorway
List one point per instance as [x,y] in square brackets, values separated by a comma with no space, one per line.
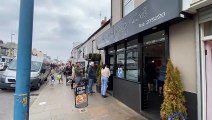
[208,74]
[154,56]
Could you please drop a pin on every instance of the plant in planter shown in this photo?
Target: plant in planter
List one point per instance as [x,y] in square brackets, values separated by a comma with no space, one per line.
[174,100]
[98,78]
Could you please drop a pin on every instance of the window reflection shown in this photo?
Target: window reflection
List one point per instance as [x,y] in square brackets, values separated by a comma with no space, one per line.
[132,65]
[120,64]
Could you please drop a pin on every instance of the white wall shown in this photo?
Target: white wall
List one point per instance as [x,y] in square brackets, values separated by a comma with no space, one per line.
[183,52]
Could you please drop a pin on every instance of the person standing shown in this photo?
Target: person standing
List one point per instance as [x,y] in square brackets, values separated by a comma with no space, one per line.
[161,78]
[78,74]
[105,73]
[91,77]
[52,76]
[59,77]
[68,74]
[150,70]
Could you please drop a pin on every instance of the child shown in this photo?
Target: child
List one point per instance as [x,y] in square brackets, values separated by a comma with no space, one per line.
[52,76]
[59,77]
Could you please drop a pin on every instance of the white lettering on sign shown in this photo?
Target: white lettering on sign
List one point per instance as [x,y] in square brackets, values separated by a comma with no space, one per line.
[153,19]
[159,16]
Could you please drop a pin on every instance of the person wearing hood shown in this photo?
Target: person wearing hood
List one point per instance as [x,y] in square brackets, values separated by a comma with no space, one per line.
[91,77]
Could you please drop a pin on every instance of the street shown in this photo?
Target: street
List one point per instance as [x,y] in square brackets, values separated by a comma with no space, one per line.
[7,101]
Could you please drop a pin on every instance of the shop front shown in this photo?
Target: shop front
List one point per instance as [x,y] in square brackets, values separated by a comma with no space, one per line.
[135,48]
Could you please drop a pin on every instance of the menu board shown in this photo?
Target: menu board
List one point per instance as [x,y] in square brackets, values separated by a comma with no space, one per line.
[81,97]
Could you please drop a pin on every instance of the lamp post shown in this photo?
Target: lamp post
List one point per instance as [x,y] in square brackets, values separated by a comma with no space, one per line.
[11,49]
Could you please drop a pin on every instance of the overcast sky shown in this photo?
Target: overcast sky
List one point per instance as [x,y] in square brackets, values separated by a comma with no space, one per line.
[57,23]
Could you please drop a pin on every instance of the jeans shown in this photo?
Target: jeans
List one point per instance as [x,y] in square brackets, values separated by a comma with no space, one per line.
[104,82]
[90,85]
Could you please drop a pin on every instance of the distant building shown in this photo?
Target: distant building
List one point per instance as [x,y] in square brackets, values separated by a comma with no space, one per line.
[8,49]
[37,53]
[79,53]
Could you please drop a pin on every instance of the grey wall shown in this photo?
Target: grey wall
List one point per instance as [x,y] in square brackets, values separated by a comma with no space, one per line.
[127,92]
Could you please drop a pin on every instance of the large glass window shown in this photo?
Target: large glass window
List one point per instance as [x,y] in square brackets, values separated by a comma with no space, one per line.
[132,65]
[128,6]
[111,63]
[132,60]
[120,64]
[120,61]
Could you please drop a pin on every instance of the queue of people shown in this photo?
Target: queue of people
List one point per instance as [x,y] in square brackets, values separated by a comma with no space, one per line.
[74,75]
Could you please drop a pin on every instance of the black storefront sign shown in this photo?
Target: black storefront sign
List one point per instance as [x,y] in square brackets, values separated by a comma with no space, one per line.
[149,14]
[81,97]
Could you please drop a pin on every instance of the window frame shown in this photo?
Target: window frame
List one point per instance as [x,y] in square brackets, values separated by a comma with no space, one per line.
[123,7]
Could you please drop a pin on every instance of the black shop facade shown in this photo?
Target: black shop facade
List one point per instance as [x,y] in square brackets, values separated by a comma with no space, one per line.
[139,39]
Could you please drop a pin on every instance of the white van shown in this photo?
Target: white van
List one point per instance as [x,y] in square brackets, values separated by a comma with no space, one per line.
[39,73]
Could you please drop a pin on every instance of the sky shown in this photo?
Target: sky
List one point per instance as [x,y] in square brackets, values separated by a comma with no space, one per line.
[57,23]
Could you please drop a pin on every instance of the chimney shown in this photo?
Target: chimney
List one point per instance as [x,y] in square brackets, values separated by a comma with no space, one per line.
[104,21]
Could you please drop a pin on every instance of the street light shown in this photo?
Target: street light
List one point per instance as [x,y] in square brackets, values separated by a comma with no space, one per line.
[11,44]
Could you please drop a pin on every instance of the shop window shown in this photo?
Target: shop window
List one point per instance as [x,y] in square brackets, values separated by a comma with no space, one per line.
[154,38]
[132,65]
[111,50]
[128,6]
[132,44]
[132,60]
[120,47]
[111,63]
[208,28]
[120,63]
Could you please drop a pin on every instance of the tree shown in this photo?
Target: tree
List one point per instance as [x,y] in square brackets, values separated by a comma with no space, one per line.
[174,100]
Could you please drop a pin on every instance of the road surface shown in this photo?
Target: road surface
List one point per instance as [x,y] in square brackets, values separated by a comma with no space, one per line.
[7,101]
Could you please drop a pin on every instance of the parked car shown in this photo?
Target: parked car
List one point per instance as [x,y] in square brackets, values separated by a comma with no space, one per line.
[39,74]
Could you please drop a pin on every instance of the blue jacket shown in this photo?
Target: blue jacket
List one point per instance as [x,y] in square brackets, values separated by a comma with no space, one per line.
[162,75]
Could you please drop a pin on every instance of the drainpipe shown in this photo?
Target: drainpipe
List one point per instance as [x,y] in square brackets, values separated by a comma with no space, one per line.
[22,91]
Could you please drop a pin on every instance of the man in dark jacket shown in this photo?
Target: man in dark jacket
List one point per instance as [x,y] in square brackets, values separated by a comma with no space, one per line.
[91,77]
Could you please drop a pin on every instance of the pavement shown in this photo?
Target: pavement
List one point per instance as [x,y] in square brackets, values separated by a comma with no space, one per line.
[57,103]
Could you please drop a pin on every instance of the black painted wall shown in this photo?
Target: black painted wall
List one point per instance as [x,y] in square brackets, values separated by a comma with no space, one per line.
[127,92]
[191,104]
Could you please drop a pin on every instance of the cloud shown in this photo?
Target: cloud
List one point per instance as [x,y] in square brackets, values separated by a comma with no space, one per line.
[57,23]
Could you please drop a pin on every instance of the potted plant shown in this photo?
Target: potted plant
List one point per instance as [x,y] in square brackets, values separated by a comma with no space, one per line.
[174,100]
[98,78]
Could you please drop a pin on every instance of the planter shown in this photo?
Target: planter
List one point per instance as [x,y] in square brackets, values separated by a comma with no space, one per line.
[98,88]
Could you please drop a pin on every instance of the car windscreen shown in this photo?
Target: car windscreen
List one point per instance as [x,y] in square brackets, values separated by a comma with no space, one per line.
[35,66]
